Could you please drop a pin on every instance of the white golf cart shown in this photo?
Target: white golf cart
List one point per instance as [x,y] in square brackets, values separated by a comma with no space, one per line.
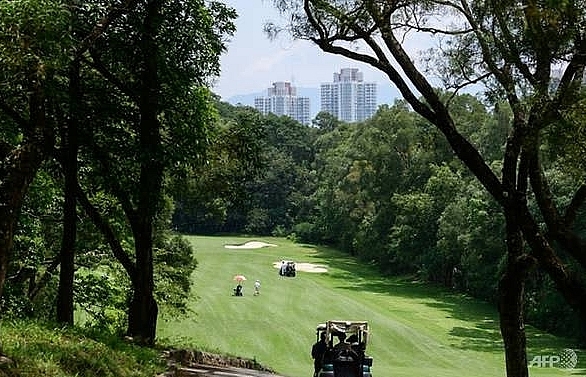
[288,268]
[348,359]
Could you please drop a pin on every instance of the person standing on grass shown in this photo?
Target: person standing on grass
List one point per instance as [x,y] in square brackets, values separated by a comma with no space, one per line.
[317,352]
[257,288]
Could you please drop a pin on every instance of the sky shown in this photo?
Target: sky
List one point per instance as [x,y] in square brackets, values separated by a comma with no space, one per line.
[253,62]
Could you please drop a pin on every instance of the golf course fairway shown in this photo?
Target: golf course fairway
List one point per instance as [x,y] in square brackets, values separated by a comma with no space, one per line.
[417,330]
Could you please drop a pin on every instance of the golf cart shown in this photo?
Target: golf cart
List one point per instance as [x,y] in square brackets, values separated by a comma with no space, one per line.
[287,268]
[349,358]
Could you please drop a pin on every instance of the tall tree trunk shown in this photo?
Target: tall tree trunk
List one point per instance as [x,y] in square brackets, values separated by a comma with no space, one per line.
[142,321]
[510,301]
[69,164]
[143,311]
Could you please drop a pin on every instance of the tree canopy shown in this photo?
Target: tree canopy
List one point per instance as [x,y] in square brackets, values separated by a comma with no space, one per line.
[114,97]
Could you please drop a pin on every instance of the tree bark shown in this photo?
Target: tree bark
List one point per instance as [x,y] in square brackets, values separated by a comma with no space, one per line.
[69,164]
[143,311]
[510,300]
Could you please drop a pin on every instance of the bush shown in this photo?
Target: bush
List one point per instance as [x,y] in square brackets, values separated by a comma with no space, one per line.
[280,231]
[258,222]
[101,299]
[174,264]
[305,232]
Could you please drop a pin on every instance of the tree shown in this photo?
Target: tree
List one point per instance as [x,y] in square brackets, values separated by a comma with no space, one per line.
[325,121]
[279,192]
[137,75]
[214,197]
[150,114]
[36,48]
[30,60]
[514,48]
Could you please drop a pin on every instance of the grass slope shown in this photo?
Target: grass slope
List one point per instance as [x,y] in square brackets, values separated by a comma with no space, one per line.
[417,330]
[43,349]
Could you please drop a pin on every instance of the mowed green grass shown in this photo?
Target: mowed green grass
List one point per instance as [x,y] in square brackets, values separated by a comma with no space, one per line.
[417,330]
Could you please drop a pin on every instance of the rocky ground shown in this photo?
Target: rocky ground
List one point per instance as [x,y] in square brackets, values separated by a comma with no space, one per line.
[188,363]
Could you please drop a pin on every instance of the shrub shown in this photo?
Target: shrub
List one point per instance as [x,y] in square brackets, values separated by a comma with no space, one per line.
[305,232]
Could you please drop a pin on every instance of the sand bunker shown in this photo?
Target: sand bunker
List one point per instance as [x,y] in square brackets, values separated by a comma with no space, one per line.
[250,245]
[305,267]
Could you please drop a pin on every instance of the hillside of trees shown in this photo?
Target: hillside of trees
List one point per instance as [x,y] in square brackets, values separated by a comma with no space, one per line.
[388,190]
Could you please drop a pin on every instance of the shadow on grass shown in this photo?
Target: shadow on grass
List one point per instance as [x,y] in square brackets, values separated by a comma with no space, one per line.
[482,335]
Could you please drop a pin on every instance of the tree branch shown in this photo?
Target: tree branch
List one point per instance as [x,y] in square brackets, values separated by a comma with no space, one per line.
[557,225]
[35,288]
[105,228]
[572,209]
[120,194]
[99,66]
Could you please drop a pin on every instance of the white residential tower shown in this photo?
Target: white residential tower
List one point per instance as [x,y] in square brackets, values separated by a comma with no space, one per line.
[349,98]
[282,99]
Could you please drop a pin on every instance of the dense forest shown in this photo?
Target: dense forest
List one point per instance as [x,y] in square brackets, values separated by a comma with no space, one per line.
[112,145]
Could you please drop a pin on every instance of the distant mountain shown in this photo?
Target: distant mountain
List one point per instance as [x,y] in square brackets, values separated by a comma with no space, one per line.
[386,95]
[243,99]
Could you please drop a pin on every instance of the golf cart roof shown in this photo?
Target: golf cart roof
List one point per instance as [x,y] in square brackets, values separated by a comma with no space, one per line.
[338,326]
[347,326]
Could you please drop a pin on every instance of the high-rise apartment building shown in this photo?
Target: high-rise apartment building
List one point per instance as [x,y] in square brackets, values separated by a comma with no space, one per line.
[282,99]
[349,98]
